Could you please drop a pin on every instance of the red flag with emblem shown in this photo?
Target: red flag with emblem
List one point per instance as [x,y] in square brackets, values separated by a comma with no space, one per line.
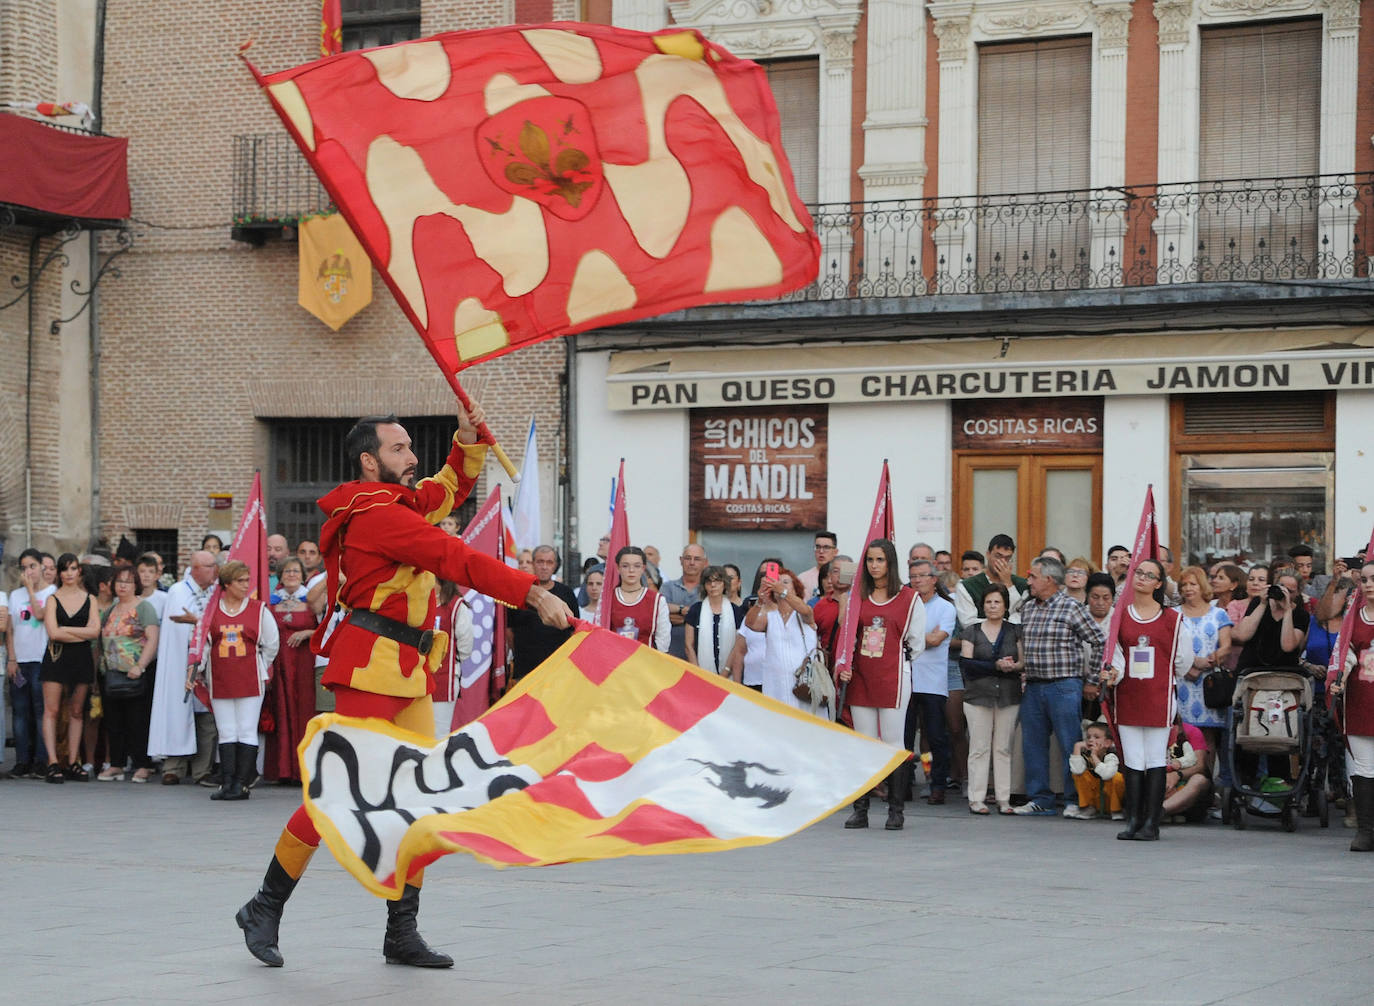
[620,537]
[249,547]
[880,526]
[526,182]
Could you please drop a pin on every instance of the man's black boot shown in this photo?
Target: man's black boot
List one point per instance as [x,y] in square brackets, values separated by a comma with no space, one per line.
[403,943]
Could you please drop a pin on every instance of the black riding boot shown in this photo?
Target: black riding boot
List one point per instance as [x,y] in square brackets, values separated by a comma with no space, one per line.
[858,819]
[403,943]
[1364,814]
[245,768]
[227,755]
[260,918]
[897,784]
[1131,802]
[1153,805]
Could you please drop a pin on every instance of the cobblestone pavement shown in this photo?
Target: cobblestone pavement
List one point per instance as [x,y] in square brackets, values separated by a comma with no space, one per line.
[117,893]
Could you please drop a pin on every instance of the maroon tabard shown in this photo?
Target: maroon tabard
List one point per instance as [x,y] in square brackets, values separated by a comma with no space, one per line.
[1145,692]
[878,663]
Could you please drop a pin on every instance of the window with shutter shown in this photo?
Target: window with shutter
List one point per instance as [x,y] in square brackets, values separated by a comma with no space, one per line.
[1034,131]
[1260,120]
[796,89]
[370,23]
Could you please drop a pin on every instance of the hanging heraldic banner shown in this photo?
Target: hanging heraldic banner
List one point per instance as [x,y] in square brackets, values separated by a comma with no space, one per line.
[758,468]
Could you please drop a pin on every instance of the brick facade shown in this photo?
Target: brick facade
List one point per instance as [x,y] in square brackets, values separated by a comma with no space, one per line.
[203,339]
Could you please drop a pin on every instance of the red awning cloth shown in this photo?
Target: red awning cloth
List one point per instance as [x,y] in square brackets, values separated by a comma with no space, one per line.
[64,173]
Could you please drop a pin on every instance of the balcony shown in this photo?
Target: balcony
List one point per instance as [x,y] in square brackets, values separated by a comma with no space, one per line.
[1234,231]
[274,187]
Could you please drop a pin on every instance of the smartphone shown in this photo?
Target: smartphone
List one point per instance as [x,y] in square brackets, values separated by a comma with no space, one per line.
[771,570]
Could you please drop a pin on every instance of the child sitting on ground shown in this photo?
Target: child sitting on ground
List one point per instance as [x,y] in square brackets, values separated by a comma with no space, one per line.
[1187,786]
[1096,775]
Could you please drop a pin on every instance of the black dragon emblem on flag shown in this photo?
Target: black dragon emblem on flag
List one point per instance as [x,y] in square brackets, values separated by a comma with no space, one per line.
[733,781]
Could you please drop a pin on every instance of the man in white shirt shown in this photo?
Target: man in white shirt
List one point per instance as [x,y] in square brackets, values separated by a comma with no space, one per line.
[930,677]
[182,733]
[28,638]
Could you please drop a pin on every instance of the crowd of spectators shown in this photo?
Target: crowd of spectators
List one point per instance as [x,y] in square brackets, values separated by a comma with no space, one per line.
[952,661]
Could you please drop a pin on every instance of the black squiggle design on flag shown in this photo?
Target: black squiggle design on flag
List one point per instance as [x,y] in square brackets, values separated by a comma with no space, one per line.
[335,744]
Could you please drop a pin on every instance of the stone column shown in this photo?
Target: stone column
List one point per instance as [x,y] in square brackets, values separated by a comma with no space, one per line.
[641,15]
[838,274]
[1337,212]
[1107,216]
[1176,225]
[894,165]
[955,230]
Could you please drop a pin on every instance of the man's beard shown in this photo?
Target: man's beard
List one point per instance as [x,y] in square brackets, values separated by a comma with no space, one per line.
[405,477]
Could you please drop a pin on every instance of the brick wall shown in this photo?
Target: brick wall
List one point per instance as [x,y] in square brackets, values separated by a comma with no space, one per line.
[28,51]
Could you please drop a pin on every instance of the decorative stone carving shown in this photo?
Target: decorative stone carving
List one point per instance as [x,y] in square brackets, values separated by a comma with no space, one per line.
[1113,25]
[1231,7]
[839,48]
[688,12]
[1033,19]
[1175,19]
[768,42]
[1342,15]
[953,35]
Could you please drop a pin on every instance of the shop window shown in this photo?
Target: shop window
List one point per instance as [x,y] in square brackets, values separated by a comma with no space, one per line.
[307,460]
[370,23]
[1254,475]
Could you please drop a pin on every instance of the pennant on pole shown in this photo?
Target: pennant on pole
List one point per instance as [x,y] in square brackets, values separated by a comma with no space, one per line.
[527,524]
[1342,647]
[620,537]
[608,749]
[331,27]
[880,526]
[335,280]
[526,182]
[486,534]
[249,547]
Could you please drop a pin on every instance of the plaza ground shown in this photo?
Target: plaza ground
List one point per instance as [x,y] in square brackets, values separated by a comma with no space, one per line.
[115,893]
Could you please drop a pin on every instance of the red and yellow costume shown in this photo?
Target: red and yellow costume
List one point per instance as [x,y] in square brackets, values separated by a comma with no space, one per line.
[381,552]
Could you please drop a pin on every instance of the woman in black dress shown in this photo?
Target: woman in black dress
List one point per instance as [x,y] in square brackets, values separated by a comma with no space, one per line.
[72,622]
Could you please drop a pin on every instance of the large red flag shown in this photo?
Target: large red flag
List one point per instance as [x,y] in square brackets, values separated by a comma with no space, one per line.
[1342,647]
[486,534]
[1145,546]
[620,537]
[881,526]
[249,547]
[525,182]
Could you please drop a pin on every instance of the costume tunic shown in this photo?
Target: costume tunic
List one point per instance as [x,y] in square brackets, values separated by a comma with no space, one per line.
[381,552]
[639,620]
[1359,685]
[291,695]
[879,657]
[236,670]
[1147,651]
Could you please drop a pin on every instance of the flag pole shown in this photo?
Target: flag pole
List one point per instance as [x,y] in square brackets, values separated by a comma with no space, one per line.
[482,429]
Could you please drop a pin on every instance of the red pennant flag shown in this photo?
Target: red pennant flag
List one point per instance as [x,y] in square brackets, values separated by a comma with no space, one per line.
[1146,546]
[620,537]
[331,27]
[1338,654]
[249,547]
[486,534]
[880,526]
[525,182]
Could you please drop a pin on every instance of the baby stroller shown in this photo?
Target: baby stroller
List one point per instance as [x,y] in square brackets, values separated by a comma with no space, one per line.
[1273,715]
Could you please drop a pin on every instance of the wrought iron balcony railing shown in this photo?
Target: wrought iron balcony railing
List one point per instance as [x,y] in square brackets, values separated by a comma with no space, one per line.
[273,184]
[1248,230]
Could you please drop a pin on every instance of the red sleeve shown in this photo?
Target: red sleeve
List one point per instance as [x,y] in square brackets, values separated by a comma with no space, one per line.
[402,535]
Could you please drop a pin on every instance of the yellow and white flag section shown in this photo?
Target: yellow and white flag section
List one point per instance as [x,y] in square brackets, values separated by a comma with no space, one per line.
[335,273]
[609,749]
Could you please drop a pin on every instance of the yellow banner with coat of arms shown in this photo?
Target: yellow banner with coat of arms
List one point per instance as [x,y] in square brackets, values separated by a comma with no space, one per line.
[336,276]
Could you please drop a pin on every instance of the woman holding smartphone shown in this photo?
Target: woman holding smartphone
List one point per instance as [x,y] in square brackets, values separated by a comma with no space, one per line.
[788,629]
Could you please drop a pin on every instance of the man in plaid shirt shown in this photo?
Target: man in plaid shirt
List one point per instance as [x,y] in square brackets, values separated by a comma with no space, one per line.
[1054,629]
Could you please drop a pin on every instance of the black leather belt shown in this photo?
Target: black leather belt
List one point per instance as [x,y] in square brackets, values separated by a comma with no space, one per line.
[389,628]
